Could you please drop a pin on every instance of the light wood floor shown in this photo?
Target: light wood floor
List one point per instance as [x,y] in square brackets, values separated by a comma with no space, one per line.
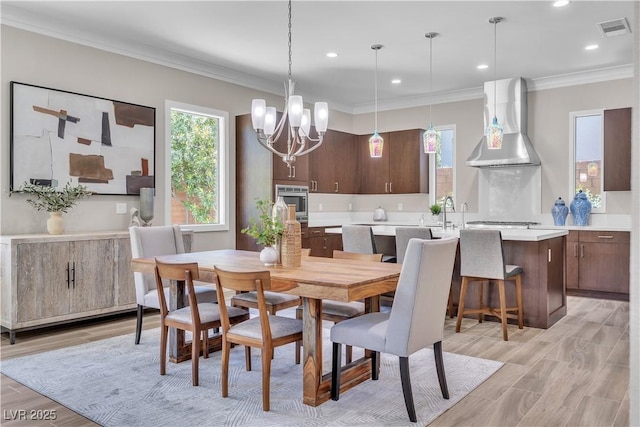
[573,374]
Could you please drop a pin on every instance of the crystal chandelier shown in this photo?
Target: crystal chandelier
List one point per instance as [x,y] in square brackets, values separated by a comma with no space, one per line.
[376,142]
[494,130]
[431,136]
[264,120]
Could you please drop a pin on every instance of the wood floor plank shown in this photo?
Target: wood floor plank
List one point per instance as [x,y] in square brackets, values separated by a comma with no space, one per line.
[620,354]
[594,411]
[611,383]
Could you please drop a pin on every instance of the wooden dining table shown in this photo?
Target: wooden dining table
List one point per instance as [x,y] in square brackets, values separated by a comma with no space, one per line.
[316,279]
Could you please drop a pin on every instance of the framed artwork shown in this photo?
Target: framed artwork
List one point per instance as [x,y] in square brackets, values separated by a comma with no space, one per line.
[59,136]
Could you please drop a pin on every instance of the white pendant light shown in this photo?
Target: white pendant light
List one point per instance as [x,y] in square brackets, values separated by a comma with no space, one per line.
[264,120]
[431,136]
[376,142]
[495,132]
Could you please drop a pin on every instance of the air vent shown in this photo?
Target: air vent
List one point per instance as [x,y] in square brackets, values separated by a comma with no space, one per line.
[616,27]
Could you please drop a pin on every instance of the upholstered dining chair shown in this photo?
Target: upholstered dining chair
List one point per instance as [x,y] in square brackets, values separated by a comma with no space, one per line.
[360,239]
[265,331]
[415,319]
[197,317]
[152,242]
[482,260]
[337,311]
[404,234]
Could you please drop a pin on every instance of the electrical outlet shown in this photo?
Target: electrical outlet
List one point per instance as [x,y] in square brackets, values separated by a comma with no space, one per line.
[400,206]
[320,206]
[121,208]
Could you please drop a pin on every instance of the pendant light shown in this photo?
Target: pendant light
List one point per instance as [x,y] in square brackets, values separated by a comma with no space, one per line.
[494,131]
[431,136]
[376,142]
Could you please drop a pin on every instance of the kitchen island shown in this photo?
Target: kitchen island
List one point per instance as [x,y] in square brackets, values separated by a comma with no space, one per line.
[541,254]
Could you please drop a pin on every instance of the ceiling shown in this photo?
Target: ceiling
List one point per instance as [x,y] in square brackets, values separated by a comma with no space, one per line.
[245,42]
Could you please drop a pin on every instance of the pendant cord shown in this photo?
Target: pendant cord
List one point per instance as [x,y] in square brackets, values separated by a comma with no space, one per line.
[430,78]
[289,39]
[375,94]
[495,65]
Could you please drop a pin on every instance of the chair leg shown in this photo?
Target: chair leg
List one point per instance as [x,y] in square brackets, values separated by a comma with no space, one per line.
[503,310]
[335,370]
[195,356]
[164,331]
[298,349]
[406,388]
[266,377]
[205,344]
[247,358]
[519,301]
[463,293]
[224,380]
[450,303]
[442,378]
[139,323]
[348,350]
[375,365]
[480,301]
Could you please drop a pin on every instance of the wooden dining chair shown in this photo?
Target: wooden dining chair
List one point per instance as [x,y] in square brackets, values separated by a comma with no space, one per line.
[337,311]
[196,318]
[415,320]
[265,331]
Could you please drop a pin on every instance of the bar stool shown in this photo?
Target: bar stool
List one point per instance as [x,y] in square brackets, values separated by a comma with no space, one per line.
[482,260]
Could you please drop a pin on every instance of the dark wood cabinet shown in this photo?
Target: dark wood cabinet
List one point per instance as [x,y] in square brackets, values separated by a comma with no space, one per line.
[617,149]
[403,167]
[333,165]
[598,263]
[322,244]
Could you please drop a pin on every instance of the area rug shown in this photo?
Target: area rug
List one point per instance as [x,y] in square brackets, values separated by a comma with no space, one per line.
[116,383]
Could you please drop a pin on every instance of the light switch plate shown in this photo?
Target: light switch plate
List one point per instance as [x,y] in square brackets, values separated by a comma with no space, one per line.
[121,208]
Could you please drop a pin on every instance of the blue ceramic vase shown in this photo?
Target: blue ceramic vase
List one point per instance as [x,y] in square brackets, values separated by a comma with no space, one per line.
[559,212]
[580,209]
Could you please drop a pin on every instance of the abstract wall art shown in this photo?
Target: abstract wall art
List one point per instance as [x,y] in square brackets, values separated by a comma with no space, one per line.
[59,136]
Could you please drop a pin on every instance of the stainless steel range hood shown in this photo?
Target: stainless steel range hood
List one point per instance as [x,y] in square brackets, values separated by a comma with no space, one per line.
[511,110]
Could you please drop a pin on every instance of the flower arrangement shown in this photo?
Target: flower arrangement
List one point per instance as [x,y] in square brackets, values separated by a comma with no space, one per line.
[45,198]
[435,209]
[266,229]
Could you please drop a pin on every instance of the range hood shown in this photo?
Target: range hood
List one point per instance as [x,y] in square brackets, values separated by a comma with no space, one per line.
[511,110]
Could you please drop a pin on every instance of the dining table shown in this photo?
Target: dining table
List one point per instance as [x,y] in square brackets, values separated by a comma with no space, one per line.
[316,279]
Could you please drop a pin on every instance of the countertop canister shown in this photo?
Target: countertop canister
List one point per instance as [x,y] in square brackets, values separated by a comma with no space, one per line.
[580,209]
[559,212]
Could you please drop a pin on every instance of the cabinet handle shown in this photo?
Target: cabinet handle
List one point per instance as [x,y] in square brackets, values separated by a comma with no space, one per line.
[336,184]
[390,190]
[386,187]
[575,250]
[581,251]
[68,276]
[294,171]
[73,275]
[549,255]
[315,185]
[605,237]
[316,231]
[324,243]
[289,167]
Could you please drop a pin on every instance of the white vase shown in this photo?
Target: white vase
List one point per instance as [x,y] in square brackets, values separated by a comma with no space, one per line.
[268,256]
[55,223]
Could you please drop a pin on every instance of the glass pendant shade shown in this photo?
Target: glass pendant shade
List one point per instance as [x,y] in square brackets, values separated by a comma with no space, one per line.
[430,140]
[258,110]
[376,144]
[494,135]
[295,110]
[270,118]
[321,116]
[305,126]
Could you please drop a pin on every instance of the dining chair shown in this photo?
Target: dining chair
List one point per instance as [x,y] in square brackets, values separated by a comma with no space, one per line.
[414,322]
[337,311]
[266,331]
[360,239]
[197,317]
[152,242]
[482,260]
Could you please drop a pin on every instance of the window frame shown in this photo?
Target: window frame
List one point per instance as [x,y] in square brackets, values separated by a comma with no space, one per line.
[433,169]
[223,164]
[572,156]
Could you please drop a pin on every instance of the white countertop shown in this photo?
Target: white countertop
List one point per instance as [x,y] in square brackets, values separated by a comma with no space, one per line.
[516,234]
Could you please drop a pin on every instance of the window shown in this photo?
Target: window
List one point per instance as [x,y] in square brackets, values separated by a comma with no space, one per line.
[586,157]
[442,166]
[196,166]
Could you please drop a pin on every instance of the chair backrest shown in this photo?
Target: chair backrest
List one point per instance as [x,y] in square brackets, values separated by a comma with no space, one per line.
[359,239]
[152,242]
[420,302]
[177,271]
[404,234]
[354,255]
[244,281]
[481,254]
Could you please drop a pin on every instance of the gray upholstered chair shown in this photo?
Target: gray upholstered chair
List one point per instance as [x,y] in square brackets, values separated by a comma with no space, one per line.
[404,234]
[415,320]
[152,242]
[360,239]
[482,260]
[264,331]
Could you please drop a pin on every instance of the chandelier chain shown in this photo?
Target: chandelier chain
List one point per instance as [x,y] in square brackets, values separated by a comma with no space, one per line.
[289,39]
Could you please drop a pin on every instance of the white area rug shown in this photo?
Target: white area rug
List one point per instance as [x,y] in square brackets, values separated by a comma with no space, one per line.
[116,383]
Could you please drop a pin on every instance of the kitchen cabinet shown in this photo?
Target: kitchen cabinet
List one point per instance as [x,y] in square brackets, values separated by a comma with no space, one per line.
[403,167]
[598,263]
[298,170]
[321,243]
[53,279]
[617,149]
[333,165]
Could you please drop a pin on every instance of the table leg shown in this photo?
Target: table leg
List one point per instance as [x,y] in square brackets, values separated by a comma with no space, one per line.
[312,350]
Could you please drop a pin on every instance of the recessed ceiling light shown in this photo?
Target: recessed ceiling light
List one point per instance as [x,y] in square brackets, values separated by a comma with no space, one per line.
[332,55]
[396,81]
[482,67]
[560,3]
[591,47]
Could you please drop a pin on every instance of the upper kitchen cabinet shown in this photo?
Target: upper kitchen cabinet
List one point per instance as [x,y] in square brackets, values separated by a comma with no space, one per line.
[617,149]
[298,171]
[333,165]
[403,167]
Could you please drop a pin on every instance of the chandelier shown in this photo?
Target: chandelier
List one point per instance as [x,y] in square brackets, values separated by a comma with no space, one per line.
[494,131]
[298,125]
[431,136]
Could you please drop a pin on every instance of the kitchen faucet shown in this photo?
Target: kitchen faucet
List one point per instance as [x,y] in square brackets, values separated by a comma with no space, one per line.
[464,208]
[444,211]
